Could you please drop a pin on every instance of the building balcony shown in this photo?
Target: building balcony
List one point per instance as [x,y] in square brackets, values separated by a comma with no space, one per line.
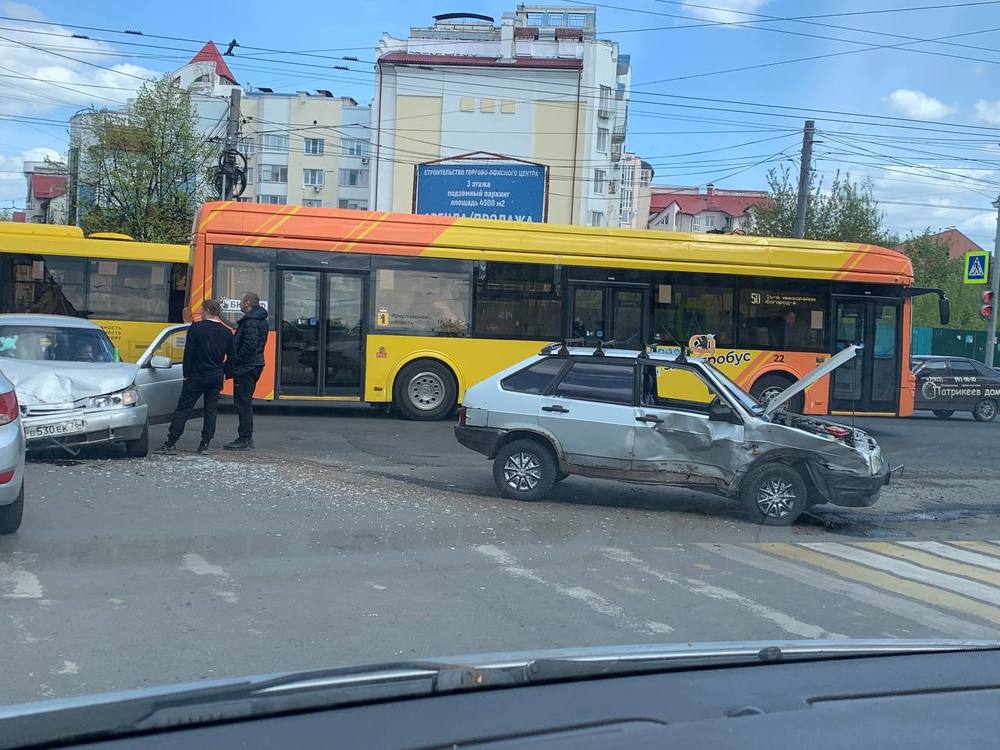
[618,134]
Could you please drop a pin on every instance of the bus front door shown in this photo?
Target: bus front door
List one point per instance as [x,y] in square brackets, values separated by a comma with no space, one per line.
[320,345]
[870,382]
[608,313]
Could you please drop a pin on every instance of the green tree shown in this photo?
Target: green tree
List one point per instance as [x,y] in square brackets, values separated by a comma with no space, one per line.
[150,167]
[846,212]
[933,268]
[6,214]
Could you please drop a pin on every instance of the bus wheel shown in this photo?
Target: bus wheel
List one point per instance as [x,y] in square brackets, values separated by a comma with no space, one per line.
[769,386]
[425,390]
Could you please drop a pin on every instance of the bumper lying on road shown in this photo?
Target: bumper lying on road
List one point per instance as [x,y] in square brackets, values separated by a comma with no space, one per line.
[102,426]
[480,439]
[11,457]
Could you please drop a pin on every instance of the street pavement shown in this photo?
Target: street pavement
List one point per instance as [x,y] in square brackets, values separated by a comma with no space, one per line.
[350,536]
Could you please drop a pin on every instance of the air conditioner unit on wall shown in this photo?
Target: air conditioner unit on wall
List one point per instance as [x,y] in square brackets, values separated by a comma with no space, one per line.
[364,159]
[612,187]
[317,188]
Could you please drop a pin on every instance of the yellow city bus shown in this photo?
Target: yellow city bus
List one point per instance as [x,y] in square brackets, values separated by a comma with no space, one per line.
[379,307]
[131,289]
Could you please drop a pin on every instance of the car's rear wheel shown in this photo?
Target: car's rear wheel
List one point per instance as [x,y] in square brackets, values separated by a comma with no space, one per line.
[138,448]
[774,495]
[985,410]
[425,390]
[11,515]
[771,386]
[524,470]
[943,413]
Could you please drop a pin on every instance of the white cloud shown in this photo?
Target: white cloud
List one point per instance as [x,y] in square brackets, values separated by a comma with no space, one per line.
[988,111]
[12,184]
[918,105]
[726,11]
[34,81]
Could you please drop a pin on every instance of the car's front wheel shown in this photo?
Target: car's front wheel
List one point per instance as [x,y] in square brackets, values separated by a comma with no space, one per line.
[774,495]
[11,515]
[524,470]
[943,413]
[138,448]
[985,410]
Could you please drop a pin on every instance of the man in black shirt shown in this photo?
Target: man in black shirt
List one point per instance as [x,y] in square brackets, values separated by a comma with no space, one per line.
[245,365]
[209,343]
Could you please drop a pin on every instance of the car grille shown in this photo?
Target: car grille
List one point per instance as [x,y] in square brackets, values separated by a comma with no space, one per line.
[50,410]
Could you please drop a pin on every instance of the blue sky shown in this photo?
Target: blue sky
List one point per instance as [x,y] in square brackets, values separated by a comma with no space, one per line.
[682,46]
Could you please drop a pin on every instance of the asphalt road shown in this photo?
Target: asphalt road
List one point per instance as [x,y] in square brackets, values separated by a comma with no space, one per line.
[349,537]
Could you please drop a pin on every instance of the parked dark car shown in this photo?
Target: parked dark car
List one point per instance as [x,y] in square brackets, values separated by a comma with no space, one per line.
[949,384]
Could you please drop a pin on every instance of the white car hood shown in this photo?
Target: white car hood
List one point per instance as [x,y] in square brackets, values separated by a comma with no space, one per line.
[37,382]
[807,380]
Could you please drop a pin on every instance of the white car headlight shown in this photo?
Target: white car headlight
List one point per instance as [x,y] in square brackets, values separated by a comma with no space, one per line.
[127,397]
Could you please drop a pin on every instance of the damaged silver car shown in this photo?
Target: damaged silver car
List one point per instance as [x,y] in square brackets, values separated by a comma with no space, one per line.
[72,390]
[664,418]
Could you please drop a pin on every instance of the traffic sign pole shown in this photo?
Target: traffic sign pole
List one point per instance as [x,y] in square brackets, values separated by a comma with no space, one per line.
[991,333]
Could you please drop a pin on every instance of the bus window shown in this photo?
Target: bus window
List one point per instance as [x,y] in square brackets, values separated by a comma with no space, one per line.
[518,300]
[129,290]
[422,302]
[782,319]
[234,278]
[51,285]
[684,310]
[178,289]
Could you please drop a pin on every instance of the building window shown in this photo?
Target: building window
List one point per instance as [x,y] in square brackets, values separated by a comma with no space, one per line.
[315,146]
[312,203]
[536,19]
[354,147]
[277,200]
[696,224]
[556,19]
[487,104]
[422,302]
[274,142]
[273,173]
[507,106]
[599,177]
[787,318]
[577,20]
[709,221]
[357,205]
[645,178]
[518,300]
[354,178]
[602,140]
[247,146]
[249,175]
[683,310]
[604,103]
[312,177]
[596,218]
[467,104]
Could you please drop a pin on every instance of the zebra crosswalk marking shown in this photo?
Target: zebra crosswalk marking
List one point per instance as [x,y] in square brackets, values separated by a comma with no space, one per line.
[990,549]
[916,555]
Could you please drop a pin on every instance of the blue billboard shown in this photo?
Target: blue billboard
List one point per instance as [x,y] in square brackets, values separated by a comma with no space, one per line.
[508,191]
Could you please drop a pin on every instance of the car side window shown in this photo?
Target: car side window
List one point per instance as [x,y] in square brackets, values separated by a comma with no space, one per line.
[961,368]
[598,381]
[984,370]
[535,378]
[670,387]
[934,367]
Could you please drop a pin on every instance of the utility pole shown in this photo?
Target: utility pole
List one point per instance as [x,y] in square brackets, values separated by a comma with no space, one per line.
[991,333]
[232,144]
[805,168]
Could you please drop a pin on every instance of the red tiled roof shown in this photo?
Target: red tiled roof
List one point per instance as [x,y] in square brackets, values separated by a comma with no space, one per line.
[210,53]
[696,203]
[47,186]
[958,244]
[479,62]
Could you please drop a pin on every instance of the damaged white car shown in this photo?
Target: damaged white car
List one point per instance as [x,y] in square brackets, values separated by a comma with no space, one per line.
[663,418]
[72,390]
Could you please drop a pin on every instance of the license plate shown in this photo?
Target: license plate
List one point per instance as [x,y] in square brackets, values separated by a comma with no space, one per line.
[55,429]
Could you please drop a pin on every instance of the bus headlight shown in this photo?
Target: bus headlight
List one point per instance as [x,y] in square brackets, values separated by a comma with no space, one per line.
[127,397]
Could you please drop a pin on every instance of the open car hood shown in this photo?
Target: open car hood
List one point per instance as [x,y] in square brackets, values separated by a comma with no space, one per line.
[39,382]
[804,382]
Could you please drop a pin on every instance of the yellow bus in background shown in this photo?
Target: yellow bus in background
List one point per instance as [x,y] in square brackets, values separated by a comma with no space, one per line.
[131,289]
[379,307]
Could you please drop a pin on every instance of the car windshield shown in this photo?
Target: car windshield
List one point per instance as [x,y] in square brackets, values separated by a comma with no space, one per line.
[55,344]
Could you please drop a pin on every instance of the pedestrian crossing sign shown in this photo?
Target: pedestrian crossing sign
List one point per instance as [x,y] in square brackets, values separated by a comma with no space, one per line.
[977,265]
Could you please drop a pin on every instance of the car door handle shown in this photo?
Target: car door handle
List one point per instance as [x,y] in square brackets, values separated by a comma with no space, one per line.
[649,418]
[558,409]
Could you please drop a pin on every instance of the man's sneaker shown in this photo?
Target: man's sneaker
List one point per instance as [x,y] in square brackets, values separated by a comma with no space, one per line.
[203,446]
[167,449]
[239,444]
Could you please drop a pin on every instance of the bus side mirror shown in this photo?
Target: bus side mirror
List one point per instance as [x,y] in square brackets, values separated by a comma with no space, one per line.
[944,309]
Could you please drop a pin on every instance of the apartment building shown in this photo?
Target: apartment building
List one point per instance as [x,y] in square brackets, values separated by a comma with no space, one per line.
[537,88]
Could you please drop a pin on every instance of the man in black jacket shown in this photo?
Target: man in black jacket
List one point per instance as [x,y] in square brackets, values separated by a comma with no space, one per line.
[206,348]
[246,365]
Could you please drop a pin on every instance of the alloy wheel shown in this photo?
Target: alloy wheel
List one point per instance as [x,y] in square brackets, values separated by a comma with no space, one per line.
[775,498]
[522,471]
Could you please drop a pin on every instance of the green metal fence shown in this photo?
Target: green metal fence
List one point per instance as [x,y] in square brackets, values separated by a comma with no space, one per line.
[956,342]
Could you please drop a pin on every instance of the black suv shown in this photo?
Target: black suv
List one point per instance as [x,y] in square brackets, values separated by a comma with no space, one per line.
[949,384]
